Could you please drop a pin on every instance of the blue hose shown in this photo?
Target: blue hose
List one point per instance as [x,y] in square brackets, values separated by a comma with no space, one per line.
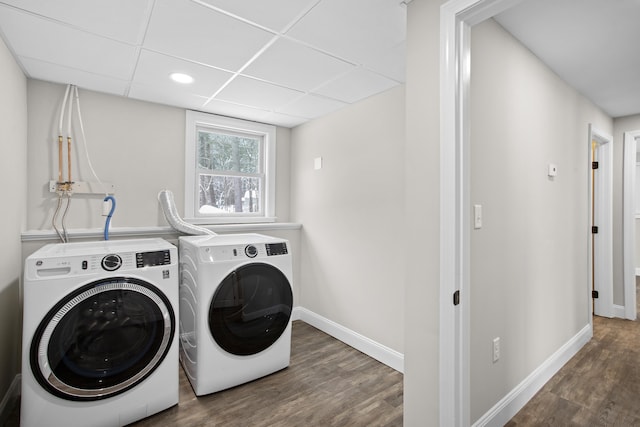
[108,221]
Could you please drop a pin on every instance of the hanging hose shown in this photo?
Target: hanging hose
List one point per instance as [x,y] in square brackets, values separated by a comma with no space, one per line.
[62,108]
[64,218]
[84,143]
[165,197]
[69,139]
[107,223]
[55,217]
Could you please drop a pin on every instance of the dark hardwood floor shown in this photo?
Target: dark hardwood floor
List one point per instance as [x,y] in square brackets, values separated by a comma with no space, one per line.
[330,384]
[327,384]
[600,386]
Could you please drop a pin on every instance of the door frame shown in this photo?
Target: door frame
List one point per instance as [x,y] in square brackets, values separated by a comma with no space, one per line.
[629,223]
[603,218]
[456,19]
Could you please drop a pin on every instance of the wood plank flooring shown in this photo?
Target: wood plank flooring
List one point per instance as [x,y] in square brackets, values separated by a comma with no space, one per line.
[327,384]
[600,386]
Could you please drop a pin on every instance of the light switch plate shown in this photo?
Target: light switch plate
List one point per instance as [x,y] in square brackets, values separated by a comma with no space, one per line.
[477,216]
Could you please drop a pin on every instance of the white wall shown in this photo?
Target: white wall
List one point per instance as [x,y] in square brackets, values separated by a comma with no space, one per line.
[352,215]
[13,176]
[529,262]
[422,206]
[138,146]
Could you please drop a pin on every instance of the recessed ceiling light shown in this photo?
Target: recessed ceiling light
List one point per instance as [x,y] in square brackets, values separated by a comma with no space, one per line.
[181,78]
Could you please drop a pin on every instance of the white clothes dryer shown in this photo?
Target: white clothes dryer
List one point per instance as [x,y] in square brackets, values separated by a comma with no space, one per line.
[100,339]
[235,309]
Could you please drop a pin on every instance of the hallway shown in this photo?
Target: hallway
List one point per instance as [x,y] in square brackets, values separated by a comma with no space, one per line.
[600,386]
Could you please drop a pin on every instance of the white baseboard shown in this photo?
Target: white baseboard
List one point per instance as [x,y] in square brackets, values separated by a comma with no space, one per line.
[637,271]
[10,398]
[381,353]
[515,400]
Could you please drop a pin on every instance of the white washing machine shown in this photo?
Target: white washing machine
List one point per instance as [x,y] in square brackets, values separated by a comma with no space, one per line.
[235,309]
[100,339]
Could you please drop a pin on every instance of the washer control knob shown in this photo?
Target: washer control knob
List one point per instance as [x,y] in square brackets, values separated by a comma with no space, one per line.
[251,251]
[111,262]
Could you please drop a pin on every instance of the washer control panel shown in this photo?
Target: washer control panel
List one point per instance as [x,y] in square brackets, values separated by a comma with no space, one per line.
[111,262]
[152,259]
[276,249]
[251,251]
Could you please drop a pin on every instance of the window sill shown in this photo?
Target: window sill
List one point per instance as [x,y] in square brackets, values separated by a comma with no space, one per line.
[141,232]
[226,220]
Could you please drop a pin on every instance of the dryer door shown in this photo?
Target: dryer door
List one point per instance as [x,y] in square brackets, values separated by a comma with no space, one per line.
[102,339]
[250,309]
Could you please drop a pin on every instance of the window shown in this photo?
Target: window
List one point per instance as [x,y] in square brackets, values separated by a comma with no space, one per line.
[230,170]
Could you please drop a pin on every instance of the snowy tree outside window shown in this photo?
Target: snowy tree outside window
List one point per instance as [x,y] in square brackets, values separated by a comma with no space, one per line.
[230,172]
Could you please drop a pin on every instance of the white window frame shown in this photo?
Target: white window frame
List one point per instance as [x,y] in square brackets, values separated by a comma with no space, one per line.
[196,119]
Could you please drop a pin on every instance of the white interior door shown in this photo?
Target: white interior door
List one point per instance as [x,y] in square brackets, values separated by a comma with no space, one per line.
[601,222]
[630,202]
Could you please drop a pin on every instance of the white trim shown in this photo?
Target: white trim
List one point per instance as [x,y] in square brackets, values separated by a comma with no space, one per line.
[10,399]
[381,353]
[96,233]
[456,19]
[629,224]
[515,400]
[194,119]
[604,220]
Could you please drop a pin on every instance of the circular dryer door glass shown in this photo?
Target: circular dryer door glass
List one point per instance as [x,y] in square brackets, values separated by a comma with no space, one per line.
[250,309]
[102,339]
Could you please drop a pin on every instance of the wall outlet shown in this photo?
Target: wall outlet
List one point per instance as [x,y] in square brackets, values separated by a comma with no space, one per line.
[496,349]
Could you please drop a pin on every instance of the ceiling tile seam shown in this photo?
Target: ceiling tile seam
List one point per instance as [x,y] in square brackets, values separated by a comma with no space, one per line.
[234,16]
[378,73]
[183,59]
[324,52]
[241,69]
[252,107]
[284,106]
[301,15]
[302,93]
[66,24]
[141,39]
[18,57]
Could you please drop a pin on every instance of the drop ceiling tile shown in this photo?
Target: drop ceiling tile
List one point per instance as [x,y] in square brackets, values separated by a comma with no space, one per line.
[169,96]
[122,20]
[154,69]
[58,74]
[311,106]
[356,85]
[359,29]
[293,65]
[254,93]
[191,31]
[47,41]
[391,63]
[284,120]
[273,14]
[234,110]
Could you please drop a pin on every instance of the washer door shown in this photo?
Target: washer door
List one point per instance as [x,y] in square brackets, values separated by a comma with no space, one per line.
[102,339]
[250,309]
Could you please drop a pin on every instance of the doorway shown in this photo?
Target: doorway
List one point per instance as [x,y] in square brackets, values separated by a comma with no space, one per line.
[629,210]
[457,18]
[601,244]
